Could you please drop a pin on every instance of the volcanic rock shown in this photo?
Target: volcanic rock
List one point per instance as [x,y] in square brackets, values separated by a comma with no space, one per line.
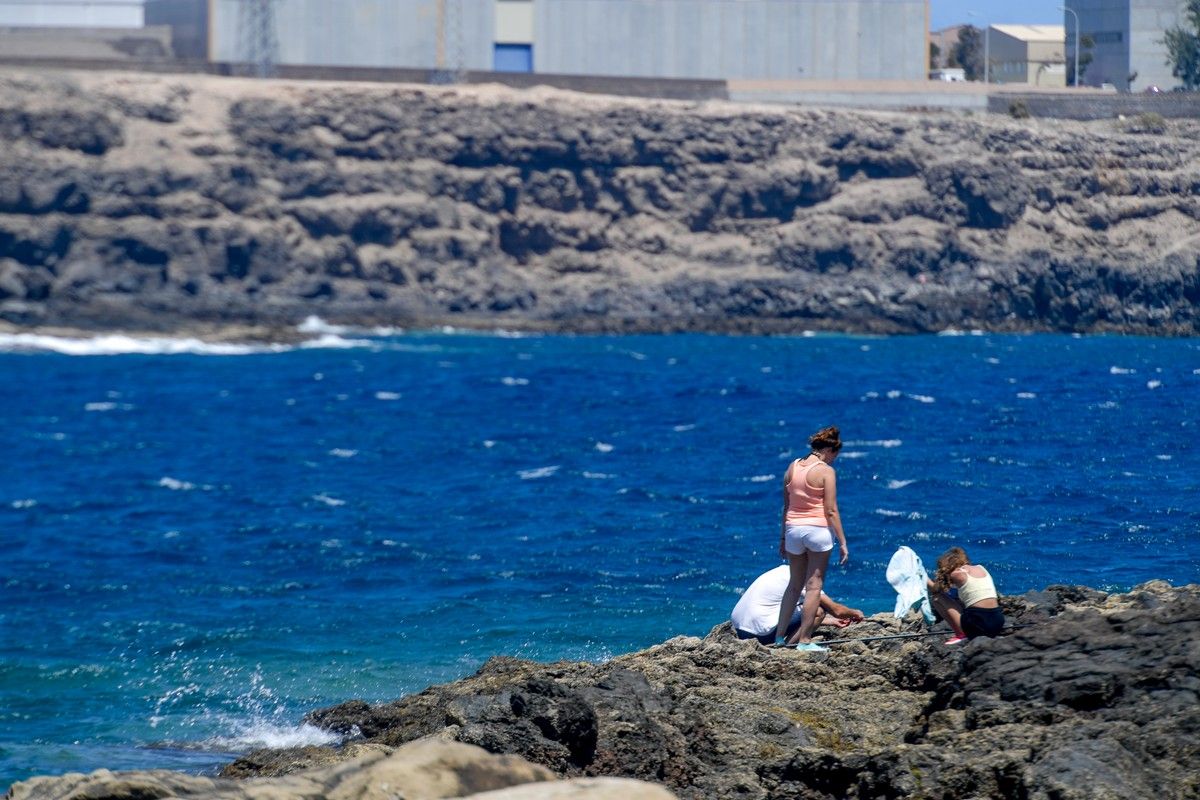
[1088,696]
[162,202]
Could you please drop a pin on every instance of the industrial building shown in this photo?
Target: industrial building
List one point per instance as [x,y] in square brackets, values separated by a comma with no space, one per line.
[79,30]
[71,13]
[719,39]
[1029,54]
[1127,35]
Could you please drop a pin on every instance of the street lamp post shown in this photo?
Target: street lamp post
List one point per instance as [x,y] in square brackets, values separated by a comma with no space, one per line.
[1071,11]
[987,54]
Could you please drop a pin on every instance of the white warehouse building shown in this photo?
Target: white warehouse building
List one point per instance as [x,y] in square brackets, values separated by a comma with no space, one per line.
[714,39]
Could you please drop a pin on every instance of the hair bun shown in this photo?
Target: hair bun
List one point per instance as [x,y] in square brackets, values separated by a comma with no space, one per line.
[826,437]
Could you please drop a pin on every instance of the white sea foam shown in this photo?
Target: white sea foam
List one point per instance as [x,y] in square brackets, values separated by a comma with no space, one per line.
[1164,457]
[328,341]
[339,452]
[894,394]
[922,398]
[316,325]
[900,484]
[1120,371]
[329,501]
[683,428]
[1153,384]
[604,447]
[1027,395]
[508,380]
[597,476]
[261,733]
[888,443]
[120,344]
[388,395]
[116,344]
[106,407]
[887,512]
[540,472]
[853,454]
[760,478]
[175,484]
[24,503]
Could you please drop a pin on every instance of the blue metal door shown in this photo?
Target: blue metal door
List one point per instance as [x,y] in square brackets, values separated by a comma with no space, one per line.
[513,58]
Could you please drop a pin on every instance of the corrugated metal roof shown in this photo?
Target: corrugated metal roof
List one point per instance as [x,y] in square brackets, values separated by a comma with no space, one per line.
[1034,33]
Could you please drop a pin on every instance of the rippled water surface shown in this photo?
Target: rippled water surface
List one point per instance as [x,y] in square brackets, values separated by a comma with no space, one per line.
[199,547]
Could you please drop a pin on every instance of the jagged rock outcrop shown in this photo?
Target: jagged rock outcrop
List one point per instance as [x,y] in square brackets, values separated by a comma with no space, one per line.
[421,770]
[1089,696]
[1092,696]
[163,201]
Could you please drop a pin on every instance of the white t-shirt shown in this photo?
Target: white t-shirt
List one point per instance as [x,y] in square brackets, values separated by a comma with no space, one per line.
[757,611]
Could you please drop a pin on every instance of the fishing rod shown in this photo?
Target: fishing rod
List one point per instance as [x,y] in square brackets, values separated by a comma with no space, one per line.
[894,636]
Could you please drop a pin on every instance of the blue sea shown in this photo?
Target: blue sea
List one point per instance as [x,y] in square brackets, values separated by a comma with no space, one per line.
[200,543]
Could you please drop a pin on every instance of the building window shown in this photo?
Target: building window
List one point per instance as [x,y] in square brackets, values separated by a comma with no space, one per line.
[1108,37]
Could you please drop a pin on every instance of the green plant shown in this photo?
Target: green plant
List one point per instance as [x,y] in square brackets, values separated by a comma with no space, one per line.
[1183,47]
[1148,122]
[1019,109]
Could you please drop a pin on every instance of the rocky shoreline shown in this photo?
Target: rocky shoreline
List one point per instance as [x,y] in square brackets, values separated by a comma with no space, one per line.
[182,203]
[1090,696]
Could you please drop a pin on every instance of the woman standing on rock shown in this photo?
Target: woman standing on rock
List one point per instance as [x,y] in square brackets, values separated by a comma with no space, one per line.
[965,595]
[810,521]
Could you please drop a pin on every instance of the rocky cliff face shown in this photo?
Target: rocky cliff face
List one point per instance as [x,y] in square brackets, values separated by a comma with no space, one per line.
[155,202]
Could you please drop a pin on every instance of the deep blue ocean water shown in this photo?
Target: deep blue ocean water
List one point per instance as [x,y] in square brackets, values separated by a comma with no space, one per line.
[198,548]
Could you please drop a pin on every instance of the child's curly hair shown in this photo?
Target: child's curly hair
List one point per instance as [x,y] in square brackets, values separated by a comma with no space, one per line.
[947,562]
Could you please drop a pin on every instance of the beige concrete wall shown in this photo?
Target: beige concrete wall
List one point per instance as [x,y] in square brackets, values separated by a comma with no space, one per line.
[107,43]
[1017,61]
[514,21]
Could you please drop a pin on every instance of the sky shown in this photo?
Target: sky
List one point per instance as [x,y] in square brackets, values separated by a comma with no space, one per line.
[944,13]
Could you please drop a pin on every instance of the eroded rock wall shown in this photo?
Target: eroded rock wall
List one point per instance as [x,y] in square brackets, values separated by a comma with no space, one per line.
[144,201]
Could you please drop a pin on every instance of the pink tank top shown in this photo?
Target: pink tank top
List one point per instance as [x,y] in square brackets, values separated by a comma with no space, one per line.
[806,503]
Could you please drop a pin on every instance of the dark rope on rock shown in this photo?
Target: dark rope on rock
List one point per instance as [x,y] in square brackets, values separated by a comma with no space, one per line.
[895,636]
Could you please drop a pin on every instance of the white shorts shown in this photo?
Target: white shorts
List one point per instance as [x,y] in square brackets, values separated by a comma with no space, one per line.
[811,538]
